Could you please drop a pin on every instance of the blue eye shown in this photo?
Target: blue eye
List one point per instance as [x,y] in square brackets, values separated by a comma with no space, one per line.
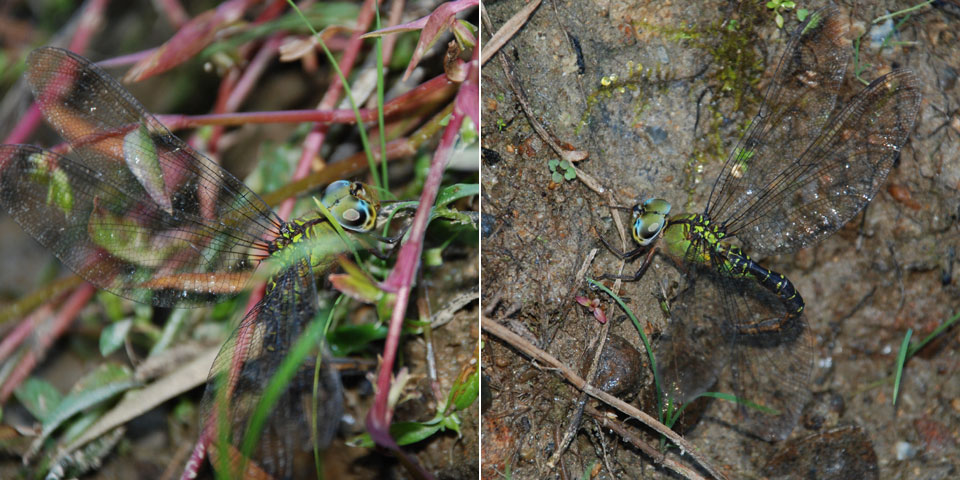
[350,203]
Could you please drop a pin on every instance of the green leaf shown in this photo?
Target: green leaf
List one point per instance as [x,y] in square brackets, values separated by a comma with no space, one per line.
[451,422]
[404,433]
[466,386]
[126,239]
[59,192]
[570,174]
[38,396]
[455,192]
[556,177]
[102,384]
[433,257]
[55,179]
[553,164]
[140,154]
[779,21]
[802,14]
[112,305]
[113,336]
[901,359]
[347,339]
[355,284]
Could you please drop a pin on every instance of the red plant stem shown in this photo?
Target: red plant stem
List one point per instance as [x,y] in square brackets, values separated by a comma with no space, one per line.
[253,72]
[272,11]
[401,279]
[408,261]
[90,20]
[396,14]
[173,11]
[20,333]
[314,139]
[434,89]
[311,148]
[125,60]
[25,126]
[71,308]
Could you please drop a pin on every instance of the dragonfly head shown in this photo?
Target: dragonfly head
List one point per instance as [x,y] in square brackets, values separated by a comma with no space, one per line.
[353,205]
[649,218]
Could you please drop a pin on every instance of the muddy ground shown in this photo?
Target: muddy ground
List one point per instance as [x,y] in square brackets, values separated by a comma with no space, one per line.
[665,132]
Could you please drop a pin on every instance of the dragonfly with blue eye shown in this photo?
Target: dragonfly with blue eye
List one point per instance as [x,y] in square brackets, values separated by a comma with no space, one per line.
[136,211]
[800,172]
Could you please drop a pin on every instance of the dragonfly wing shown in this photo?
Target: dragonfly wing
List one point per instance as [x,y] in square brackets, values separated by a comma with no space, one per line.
[771,370]
[796,106]
[250,359]
[839,173]
[695,347]
[133,209]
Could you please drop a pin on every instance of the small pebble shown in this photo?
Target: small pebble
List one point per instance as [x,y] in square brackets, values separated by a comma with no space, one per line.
[905,450]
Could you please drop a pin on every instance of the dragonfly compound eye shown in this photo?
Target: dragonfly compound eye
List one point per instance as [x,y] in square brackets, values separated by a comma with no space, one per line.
[356,215]
[656,205]
[647,226]
[335,192]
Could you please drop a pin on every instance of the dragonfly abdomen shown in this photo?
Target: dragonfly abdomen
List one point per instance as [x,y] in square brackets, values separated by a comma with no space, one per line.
[740,264]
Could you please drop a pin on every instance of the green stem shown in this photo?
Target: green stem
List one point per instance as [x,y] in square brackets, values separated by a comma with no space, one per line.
[901,12]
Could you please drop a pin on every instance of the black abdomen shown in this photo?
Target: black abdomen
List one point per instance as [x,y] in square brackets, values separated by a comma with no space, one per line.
[776,283]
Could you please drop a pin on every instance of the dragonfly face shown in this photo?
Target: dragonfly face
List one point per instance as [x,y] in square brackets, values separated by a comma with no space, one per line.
[649,219]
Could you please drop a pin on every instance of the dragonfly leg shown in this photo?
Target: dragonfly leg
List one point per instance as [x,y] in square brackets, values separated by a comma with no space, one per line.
[390,240]
[628,255]
[379,254]
[647,260]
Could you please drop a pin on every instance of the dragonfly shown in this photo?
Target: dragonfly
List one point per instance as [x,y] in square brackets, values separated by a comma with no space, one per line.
[803,168]
[136,211]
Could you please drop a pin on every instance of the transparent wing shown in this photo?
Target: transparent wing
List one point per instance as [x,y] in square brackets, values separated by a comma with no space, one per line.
[797,104]
[706,335]
[838,173]
[695,347]
[133,208]
[246,363]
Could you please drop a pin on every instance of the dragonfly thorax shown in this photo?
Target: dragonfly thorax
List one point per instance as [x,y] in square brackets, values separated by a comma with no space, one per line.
[694,237]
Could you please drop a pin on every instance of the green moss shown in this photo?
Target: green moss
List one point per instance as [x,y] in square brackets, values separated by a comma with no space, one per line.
[633,78]
[735,74]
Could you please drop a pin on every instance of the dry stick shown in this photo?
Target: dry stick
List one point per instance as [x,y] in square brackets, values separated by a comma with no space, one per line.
[574,425]
[570,156]
[607,422]
[623,240]
[541,357]
[506,32]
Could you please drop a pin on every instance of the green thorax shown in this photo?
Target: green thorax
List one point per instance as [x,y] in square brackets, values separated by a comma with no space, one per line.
[687,238]
[694,230]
